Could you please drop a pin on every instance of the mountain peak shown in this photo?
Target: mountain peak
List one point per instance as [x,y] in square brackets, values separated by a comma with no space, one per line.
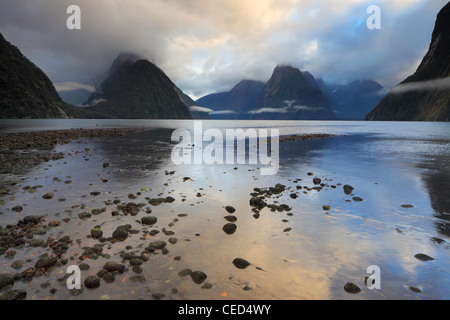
[138,90]
[124,58]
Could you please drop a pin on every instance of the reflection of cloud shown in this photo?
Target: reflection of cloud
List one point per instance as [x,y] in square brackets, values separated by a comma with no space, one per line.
[223,112]
[441,84]
[72,86]
[200,109]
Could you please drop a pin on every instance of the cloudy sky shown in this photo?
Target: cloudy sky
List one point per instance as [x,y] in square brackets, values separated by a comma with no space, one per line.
[208,46]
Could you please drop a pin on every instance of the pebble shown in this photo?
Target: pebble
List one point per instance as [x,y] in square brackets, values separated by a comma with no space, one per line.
[149,220]
[352,288]
[241,263]
[92,282]
[230,209]
[198,277]
[423,257]
[229,228]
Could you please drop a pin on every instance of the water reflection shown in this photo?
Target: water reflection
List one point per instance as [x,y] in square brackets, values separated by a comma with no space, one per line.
[436,175]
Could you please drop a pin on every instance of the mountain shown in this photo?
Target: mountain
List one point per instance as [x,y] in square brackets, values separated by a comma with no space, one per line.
[137,90]
[289,96]
[236,103]
[197,114]
[424,96]
[25,90]
[352,101]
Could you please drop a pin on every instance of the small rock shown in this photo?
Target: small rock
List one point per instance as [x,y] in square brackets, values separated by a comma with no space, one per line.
[120,234]
[92,282]
[48,196]
[5,280]
[185,272]
[230,209]
[241,263]
[229,228]
[114,266]
[198,276]
[17,209]
[53,223]
[158,245]
[414,289]
[352,288]
[149,220]
[231,218]
[348,189]
[96,233]
[158,296]
[45,262]
[109,277]
[17,264]
[423,257]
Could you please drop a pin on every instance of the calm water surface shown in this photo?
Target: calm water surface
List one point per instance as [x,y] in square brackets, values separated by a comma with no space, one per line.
[388,164]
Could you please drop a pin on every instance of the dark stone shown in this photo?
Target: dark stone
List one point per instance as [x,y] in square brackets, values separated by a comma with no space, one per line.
[120,234]
[185,272]
[5,280]
[48,196]
[32,219]
[198,276]
[229,228]
[348,189]
[230,209]
[158,245]
[423,257]
[17,209]
[149,220]
[231,218]
[92,282]
[241,263]
[352,288]
[45,262]
[158,296]
[96,233]
[414,289]
[317,181]
[114,266]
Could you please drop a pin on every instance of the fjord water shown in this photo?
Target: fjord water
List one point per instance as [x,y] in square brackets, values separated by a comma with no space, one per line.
[400,170]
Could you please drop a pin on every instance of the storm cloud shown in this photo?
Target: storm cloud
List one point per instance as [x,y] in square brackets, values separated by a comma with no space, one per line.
[208,46]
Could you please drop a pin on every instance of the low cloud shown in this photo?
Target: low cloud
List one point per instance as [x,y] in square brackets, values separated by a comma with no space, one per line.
[200,109]
[72,86]
[223,112]
[440,84]
[95,102]
[286,109]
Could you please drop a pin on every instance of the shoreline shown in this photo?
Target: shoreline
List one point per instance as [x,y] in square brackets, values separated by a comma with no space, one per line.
[33,145]
[37,139]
